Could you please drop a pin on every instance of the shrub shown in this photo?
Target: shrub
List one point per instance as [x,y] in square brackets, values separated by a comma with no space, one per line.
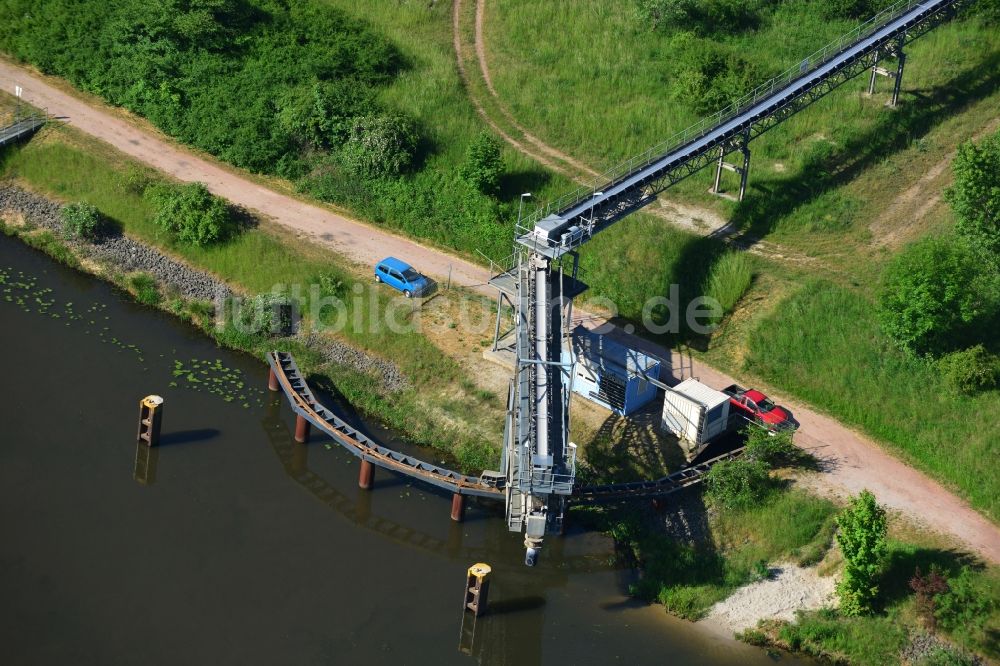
[975,196]
[81,220]
[772,448]
[135,181]
[264,315]
[760,571]
[710,76]
[966,605]
[145,289]
[702,16]
[483,164]
[738,483]
[931,293]
[949,655]
[754,637]
[379,146]
[191,214]
[853,9]
[219,74]
[970,370]
[861,536]
[989,10]
[729,279]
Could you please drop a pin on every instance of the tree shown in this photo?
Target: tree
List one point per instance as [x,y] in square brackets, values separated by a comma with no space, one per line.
[483,164]
[192,214]
[861,536]
[81,220]
[975,196]
[931,293]
[379,146]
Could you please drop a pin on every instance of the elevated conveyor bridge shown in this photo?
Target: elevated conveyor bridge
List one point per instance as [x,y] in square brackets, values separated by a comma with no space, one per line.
[570,221]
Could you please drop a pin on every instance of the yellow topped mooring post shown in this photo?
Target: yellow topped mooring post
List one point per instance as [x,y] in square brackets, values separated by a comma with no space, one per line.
[150,418]
[477,587]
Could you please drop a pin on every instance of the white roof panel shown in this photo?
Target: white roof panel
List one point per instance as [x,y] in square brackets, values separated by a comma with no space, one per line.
[706,395]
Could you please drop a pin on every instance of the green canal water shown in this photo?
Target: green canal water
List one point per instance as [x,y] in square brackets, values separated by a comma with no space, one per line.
[228,544]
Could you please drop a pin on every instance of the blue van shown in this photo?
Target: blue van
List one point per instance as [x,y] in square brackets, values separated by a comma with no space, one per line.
[401,275]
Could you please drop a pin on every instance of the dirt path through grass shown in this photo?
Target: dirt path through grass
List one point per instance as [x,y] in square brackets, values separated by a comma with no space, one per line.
[853,461]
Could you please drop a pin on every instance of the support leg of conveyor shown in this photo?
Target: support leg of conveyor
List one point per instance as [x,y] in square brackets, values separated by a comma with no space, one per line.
[365,475]
[871,82]
[301,429]
[901,61]
[718,170]
[746,170]
[458,507]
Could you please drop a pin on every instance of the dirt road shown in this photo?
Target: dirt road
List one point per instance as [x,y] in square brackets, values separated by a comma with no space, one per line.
[854,462]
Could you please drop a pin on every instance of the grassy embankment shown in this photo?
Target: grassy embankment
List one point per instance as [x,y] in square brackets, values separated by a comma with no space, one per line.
[846,182]
[442,408]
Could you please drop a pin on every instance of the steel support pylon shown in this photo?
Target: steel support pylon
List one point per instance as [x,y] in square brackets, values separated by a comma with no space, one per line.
[538,461]
[894,50]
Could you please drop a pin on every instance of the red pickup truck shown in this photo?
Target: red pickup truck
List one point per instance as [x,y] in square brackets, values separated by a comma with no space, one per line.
[756,407]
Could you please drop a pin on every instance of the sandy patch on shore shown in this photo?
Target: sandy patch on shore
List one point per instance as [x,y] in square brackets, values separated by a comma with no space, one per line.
[790,588]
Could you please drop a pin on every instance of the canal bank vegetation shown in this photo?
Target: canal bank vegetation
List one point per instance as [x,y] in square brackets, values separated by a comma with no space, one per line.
[434,407]
[935,605]
[703,543]
[903,595]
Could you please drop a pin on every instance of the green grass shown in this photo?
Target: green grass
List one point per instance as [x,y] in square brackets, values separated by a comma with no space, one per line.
[612,74]
[428,204]
[729,279]
[145,289]
[865,641]
[823,344]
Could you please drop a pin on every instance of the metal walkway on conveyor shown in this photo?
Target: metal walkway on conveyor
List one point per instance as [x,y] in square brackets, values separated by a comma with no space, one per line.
[570,221]
[21,129]
[306,407]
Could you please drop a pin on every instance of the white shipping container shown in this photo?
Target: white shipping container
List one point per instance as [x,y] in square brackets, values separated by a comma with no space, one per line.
[695,414]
